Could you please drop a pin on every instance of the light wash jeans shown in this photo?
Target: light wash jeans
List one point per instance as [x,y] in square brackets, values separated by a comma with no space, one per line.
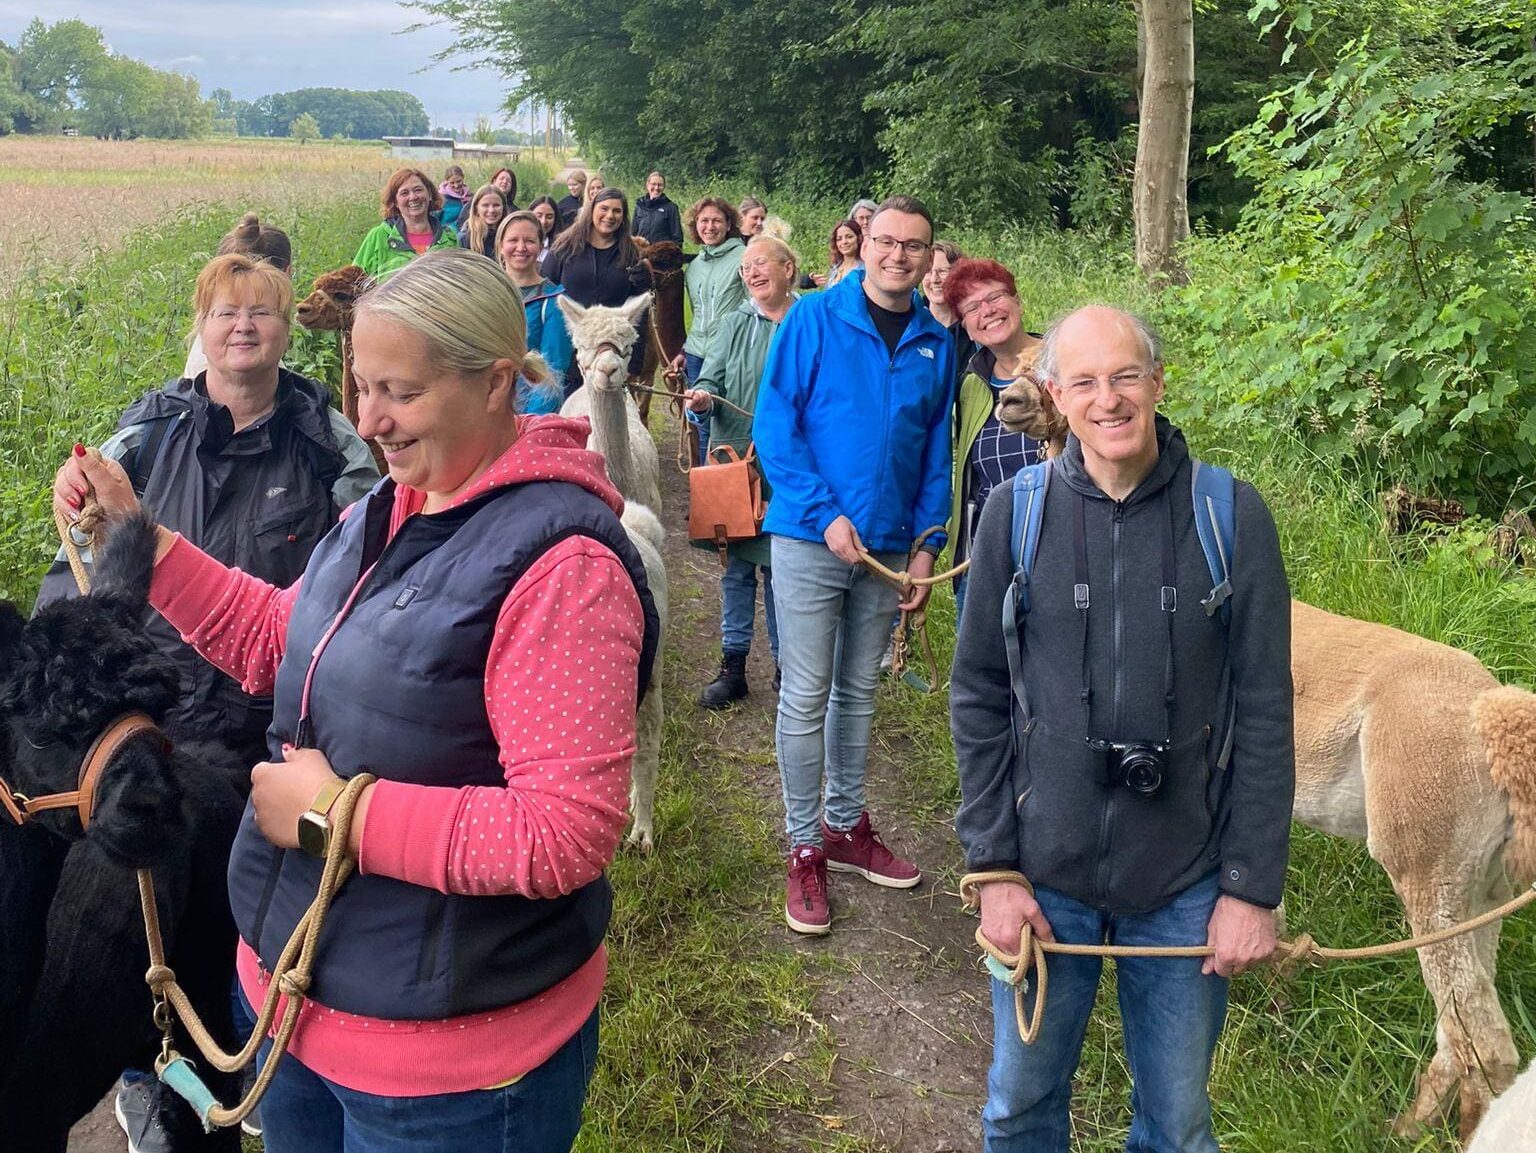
[738,607]
[1171,1015]
[834,629]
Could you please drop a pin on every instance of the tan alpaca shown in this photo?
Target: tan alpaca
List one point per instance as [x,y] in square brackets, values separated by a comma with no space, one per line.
[1412,747]
[602,338]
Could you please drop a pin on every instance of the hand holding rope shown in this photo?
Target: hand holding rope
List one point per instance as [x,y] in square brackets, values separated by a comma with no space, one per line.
[1013,968]
[912,630]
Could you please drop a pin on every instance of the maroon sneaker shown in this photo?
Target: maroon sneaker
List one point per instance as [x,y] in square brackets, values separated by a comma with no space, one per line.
[805,893]
[860,850]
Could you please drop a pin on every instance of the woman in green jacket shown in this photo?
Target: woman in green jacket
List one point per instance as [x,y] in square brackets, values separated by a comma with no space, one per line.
[413,224]
[712,279]
[984,298]
[731,372]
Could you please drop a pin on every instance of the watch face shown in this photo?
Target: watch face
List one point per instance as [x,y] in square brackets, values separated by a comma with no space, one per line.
[314,834]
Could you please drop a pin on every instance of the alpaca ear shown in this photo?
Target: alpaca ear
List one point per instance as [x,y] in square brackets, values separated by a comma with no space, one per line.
[573,311]
[634,308]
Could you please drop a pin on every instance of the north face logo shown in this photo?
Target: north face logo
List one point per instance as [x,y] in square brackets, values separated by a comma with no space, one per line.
[275,492]
[928,352]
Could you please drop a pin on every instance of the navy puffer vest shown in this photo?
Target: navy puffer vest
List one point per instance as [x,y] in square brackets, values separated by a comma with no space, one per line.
[399,692]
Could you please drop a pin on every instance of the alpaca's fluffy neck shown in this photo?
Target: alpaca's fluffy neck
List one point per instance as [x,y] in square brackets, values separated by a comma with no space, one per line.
[610,434]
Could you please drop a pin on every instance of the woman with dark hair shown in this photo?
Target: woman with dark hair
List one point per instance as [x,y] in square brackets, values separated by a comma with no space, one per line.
[596,261]
[486,210]
[984,298]
[506,180]
[413,224]
[842,254]
[547,212]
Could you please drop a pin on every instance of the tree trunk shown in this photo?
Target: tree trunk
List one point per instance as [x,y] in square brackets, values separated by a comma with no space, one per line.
[1161,197]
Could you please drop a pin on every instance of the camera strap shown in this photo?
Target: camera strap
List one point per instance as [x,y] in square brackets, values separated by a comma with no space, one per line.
[1168,601]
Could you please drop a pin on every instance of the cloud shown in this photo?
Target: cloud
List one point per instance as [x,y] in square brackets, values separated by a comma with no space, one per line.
[254,49]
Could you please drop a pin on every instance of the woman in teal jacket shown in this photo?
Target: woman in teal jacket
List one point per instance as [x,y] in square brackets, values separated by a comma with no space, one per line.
[518,242]
[413,224]
[731,372]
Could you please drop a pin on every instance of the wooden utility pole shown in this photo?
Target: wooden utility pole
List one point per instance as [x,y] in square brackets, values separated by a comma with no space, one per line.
[1166,51]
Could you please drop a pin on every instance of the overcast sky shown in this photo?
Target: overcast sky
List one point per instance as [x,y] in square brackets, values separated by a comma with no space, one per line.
[254,48]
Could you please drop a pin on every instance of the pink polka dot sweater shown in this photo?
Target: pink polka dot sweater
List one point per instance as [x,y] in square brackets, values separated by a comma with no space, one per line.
[560,685]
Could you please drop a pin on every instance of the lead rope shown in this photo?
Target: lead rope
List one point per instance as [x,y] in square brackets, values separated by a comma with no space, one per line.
[294,969]
[1014,968]
[912,629]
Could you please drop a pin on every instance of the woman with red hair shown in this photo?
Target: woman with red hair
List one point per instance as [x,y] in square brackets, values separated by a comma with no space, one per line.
[983,297]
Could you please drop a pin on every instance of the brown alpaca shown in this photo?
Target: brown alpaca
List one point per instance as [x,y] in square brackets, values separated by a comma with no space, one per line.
[328,308]
[664,333]
[1414,748]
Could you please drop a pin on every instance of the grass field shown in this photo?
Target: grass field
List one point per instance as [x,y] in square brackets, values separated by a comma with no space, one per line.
[701,981]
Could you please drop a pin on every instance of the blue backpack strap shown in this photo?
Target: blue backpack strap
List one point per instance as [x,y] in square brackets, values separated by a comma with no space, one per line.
[1213,492]
[1030,485]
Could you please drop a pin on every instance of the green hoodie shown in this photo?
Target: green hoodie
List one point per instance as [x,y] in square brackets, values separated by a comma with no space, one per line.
[714,286]
[733,370]
[385,249]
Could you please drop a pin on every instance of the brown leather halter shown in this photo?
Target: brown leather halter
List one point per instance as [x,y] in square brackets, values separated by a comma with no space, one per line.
[104,750]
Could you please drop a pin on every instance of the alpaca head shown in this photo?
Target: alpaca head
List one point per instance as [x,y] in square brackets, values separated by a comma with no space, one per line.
[603,336]
[663,257]
[1025,407]
[65,675]
[328,308]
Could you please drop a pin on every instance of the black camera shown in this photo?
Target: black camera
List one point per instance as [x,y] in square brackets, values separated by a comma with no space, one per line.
[1138,765]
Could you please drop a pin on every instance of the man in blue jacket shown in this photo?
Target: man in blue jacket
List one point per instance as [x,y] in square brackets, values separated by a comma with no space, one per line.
[852,430]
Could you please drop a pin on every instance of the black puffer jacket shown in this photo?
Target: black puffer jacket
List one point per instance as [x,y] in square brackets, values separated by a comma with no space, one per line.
[658,219]
[260,500]
[1034,797]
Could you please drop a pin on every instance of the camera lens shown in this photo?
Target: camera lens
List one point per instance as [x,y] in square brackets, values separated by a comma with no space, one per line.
[1143,770]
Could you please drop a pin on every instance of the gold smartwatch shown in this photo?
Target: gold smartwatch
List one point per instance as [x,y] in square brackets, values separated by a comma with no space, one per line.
[315,822]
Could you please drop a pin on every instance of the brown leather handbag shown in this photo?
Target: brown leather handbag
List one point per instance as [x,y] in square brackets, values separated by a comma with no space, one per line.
[725,499]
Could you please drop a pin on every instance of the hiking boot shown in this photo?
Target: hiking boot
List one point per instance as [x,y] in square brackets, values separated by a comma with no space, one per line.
[140,1109]
[251,1126]
[860,850]
[729,685]
[805,893]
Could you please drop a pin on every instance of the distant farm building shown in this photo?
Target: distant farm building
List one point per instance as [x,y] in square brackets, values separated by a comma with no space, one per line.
[445,148]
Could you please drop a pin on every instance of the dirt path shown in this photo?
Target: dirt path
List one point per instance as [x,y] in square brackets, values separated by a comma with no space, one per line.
[897,990]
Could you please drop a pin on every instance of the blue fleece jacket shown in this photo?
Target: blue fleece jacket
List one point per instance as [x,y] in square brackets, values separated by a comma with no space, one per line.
[844,429]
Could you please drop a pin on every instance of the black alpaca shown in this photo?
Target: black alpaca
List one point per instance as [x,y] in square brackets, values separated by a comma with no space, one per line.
[74,1008]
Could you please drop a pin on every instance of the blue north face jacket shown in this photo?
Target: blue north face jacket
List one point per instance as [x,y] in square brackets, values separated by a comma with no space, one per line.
[843,429]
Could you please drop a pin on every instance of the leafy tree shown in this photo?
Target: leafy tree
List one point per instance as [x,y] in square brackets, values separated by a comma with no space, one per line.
[52,64]
[304,128]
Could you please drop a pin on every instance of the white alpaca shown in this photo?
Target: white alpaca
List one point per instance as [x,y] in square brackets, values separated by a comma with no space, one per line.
[1510,1123]
[602,338]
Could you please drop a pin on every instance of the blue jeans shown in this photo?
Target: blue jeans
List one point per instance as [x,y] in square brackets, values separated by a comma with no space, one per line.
[738,607]
[692,366]
[1171,1014]
[539,1113]
[830,644]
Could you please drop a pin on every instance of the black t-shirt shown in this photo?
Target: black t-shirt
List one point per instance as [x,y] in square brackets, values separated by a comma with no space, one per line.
[890,325]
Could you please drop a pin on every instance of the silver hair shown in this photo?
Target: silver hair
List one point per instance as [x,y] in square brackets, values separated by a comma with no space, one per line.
[1045,358]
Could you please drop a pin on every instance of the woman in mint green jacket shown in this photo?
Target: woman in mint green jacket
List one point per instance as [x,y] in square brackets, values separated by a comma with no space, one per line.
[713,280]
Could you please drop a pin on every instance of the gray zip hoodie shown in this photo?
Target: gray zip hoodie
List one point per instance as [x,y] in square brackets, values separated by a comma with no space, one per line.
[1034,797]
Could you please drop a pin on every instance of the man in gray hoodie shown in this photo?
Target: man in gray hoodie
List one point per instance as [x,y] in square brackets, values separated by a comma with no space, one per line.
[1111,657]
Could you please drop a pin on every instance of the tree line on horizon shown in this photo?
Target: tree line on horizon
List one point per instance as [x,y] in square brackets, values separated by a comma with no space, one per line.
[63,78]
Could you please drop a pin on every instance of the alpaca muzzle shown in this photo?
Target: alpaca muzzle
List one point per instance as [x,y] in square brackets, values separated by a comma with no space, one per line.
[103,751]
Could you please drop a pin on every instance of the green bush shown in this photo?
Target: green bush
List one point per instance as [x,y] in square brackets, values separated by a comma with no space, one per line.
[1373,297]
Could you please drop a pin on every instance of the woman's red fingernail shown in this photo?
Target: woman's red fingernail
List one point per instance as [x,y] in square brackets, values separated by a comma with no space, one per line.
[79,450]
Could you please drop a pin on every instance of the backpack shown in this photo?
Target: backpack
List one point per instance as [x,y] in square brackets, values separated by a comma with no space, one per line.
[1213,492]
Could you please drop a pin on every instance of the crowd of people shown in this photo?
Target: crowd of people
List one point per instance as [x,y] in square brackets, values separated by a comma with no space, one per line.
[474,628]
